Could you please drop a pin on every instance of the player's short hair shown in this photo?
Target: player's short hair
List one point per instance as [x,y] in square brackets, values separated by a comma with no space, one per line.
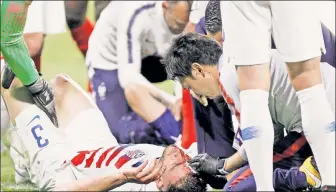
[213,19]
[189,183]
[189,2]
[188,49]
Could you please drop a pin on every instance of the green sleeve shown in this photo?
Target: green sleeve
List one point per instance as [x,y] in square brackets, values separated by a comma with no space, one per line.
[13,46]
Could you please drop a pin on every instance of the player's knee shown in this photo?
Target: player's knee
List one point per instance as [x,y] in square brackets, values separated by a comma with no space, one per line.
[133,93]
[34,42]
[305,74]
[254,77]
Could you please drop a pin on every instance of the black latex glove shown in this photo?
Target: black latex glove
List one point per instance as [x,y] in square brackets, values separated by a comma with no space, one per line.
[204,163]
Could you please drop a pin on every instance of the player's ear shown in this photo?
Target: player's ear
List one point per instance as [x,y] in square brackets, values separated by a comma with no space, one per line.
[197,70]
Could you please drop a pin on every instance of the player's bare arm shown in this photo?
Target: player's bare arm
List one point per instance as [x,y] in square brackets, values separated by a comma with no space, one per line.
[136,175]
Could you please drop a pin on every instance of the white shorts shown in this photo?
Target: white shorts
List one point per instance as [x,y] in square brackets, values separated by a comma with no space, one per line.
[197,11]
[46,17]
[47,147]
[248,26]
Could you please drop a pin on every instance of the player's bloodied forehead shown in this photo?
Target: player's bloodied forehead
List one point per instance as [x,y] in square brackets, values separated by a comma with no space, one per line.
[175,166]
[177,175]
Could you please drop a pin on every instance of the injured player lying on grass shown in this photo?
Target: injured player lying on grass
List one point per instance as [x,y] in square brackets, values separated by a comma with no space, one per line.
[82,154]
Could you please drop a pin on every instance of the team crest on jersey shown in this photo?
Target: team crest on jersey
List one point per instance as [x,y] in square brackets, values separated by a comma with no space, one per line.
[134,154]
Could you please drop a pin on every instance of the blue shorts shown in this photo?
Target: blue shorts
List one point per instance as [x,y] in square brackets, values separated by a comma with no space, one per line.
[110,97]
[133,129]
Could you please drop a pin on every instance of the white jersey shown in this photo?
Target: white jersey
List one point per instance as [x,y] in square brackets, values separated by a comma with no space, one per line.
[50,156]
[126,32]
[283,103]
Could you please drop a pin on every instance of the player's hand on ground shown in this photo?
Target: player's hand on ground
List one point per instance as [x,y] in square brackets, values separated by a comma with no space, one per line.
[144,175]
[205,163]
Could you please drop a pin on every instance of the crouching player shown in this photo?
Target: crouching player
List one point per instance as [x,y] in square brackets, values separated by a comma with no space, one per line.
[155,119]
[168,117]
[193,60]
[74,158]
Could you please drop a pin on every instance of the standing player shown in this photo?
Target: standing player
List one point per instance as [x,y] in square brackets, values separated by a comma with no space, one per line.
[16,54]
[122,37]
[42,21]
[201,74]
[79,25]
[297,34]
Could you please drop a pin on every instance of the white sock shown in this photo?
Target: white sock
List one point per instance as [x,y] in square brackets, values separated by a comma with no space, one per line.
[258,135]
[318,122]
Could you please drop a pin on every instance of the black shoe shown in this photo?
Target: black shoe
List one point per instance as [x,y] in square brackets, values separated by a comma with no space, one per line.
[44,98]
[7,78]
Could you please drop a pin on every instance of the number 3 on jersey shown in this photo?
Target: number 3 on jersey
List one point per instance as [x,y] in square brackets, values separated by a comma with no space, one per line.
[40,141]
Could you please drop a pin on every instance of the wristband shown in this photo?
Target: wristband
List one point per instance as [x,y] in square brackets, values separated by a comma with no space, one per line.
[220,167]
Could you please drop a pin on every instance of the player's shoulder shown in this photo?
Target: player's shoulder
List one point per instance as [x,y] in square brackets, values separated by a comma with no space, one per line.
[138,5]
[134,9]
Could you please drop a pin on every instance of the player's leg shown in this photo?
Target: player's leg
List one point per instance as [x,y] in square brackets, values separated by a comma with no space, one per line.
[16,54]
[82,117]
[80,26]
[298,37]
[153,112]
[33,32]
[13,17]
[35,44]
[247,45]
[100,6]
[42,146]
[291,179]
[110,97]
[289,153]
[242,180]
